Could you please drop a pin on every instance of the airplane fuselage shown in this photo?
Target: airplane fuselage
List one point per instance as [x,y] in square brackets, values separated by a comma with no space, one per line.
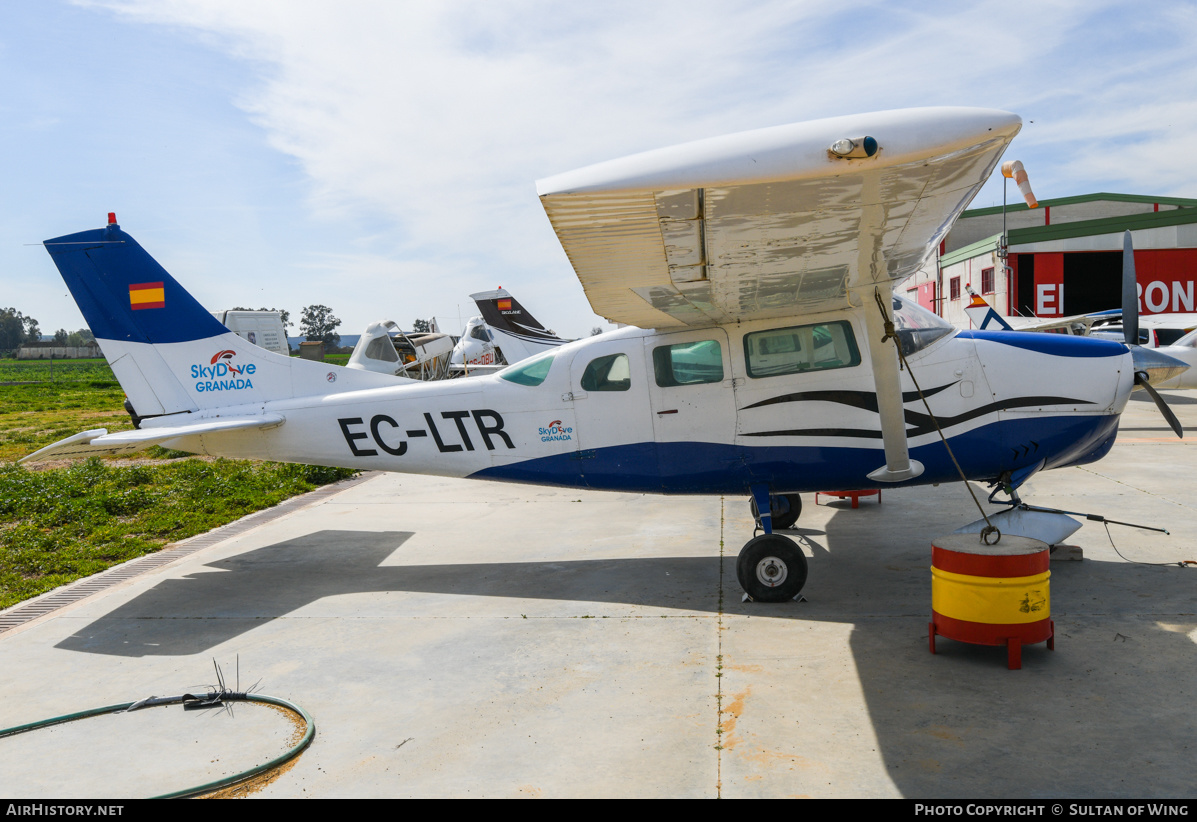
[715,410]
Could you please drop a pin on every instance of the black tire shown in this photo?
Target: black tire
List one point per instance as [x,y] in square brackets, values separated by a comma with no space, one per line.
[783,508]
[771,568]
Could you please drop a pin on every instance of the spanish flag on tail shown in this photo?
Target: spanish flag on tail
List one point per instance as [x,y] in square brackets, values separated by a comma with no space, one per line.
[146,295]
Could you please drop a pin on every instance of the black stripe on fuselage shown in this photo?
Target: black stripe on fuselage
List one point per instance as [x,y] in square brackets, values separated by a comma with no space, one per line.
[921,423]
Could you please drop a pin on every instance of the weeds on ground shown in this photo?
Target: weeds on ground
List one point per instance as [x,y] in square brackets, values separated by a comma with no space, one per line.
[60,525]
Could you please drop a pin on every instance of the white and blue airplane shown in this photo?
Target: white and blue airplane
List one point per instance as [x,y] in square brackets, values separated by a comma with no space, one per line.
[754,273]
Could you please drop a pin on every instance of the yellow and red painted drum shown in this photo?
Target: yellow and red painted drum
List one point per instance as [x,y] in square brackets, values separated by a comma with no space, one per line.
[991,594]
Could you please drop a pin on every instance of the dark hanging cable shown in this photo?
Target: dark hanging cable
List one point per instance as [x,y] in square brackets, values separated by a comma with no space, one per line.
[989,529]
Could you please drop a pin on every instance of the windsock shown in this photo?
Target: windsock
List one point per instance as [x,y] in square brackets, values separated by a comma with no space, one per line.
[1014,170]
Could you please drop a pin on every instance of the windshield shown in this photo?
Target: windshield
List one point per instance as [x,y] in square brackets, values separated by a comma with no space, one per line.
[531,371]
[917,327]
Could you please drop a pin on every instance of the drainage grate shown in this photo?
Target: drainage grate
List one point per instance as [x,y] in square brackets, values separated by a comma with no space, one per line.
[68,594]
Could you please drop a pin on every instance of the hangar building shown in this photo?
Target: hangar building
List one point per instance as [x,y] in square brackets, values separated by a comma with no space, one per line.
[1065,258]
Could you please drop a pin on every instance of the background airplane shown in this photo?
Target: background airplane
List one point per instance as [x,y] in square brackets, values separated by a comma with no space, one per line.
[505,334]
[755,273]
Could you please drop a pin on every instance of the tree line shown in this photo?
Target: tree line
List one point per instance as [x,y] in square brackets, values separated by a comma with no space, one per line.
[317,322]
[16,330]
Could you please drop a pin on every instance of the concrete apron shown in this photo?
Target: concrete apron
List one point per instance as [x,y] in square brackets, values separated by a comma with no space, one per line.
[457,638]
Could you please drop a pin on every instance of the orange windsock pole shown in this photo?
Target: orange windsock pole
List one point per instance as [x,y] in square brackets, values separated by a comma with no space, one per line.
[1014,170]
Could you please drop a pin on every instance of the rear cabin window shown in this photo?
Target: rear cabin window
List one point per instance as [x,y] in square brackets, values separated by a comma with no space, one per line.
[610,373]
[529,372]
[801,348]
[691,363]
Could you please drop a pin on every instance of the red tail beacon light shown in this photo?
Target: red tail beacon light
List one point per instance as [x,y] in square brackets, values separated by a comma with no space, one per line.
[111,218]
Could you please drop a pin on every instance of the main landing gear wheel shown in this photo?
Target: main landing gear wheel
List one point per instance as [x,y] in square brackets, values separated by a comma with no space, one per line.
[784,508]
[771,568]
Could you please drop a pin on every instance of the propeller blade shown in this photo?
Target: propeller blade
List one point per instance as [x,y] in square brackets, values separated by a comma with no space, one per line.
[1130,293]
[1141,381]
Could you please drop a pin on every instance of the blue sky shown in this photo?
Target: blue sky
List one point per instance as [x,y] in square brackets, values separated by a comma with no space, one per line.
[381,157]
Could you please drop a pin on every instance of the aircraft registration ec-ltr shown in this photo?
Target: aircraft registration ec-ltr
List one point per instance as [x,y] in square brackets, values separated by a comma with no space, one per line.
[755,273]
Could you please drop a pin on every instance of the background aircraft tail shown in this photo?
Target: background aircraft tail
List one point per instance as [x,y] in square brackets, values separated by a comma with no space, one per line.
[982,314]
[169,354]
[518,333]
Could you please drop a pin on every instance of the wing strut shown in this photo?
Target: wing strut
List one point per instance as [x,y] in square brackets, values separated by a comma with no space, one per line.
[883,352]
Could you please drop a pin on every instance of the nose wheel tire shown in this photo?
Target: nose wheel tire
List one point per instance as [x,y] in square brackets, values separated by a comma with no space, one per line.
[771,568]
[784,508]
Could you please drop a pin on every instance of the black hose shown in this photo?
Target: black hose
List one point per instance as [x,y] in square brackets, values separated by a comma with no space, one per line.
[211,699]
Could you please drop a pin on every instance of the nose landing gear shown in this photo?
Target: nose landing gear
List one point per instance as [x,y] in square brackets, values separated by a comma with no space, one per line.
[784,508]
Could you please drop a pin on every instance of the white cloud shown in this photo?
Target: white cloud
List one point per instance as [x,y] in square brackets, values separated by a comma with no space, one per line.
[427,124]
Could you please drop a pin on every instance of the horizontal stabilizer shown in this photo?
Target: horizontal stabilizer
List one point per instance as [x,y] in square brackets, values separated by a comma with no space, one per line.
[1044,526]
[99,443]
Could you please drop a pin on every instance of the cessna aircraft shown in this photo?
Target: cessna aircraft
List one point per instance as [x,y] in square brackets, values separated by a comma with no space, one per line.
[755,274]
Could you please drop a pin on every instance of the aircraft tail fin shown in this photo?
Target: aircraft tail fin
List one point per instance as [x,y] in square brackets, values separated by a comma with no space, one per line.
[520,335]
[168,353]
[982,314]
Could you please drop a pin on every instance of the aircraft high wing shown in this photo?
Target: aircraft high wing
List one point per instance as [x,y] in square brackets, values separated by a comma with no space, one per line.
[755,272]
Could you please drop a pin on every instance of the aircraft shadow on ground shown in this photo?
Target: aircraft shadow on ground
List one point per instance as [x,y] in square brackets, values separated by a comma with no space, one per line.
[954,724]
[197,612]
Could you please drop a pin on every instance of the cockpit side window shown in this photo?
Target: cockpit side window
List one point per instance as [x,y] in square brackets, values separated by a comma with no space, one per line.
[801,348]
[610,373]
[690,363]
[381,348]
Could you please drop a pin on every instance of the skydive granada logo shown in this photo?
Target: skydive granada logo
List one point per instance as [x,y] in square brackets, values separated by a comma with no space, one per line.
[222,374]
[556,432]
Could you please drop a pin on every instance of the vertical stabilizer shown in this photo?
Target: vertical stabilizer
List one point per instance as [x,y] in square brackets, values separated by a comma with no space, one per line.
[169,354]
[518,334]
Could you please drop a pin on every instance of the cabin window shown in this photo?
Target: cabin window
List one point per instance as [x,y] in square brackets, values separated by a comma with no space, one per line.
[691,363]
[1169,336]
[802,348]
[531,371]
[610,373]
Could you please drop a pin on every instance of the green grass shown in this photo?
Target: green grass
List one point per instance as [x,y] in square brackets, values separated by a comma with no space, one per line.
[60,524]
[56,370]
[34,415]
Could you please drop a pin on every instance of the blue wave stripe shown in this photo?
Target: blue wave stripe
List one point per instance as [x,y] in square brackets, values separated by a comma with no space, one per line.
[711,468]
[1060,345]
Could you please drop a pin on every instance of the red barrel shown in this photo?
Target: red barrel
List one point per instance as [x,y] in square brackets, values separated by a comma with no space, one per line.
[991,594]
